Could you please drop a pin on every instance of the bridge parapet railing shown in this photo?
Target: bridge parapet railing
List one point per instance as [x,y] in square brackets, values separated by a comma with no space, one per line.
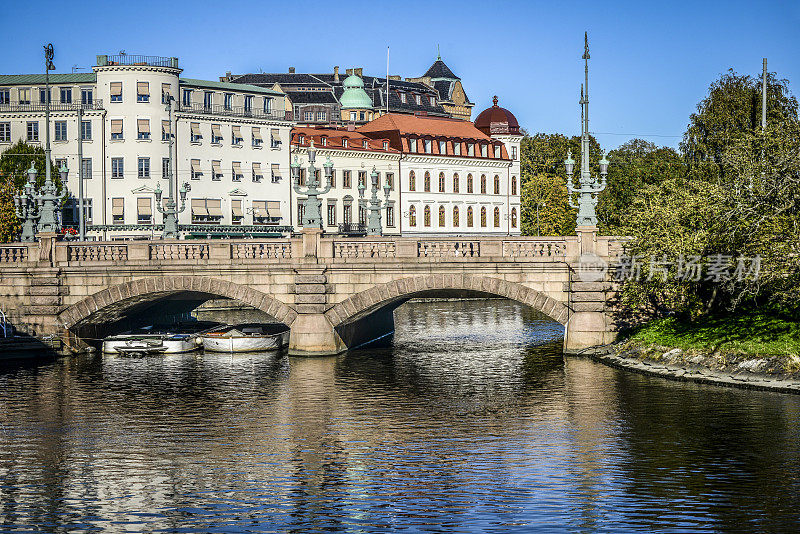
[429,248]
[272,250]
[179,251]
[365,249]
[99,252]
[19,254]
[537,249]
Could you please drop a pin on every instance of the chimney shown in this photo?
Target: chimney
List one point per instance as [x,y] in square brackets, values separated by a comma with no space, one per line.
[349,72]
[336,74]
[291,70]
[394,77]
[227,76]
[359,72]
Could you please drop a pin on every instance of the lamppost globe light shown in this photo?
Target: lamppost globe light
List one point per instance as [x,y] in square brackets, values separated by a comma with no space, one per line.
[569,163]
[604,164]
[158,193]
[64,173]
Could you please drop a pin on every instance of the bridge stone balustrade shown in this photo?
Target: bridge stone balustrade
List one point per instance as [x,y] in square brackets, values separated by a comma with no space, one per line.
[333,292]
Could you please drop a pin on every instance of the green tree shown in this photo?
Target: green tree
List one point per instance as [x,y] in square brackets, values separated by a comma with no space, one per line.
[14,164]
[555,217]
[635,164]
[733,109]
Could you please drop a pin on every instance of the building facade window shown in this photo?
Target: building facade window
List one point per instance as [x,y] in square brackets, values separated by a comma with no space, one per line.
[390,180]
[248,104]
[412,216]
[208,100]
[144,167]
[60,130]
[455,216]
[86,130]
[347,213]
[165,130]
[513,152]
[331,214]
[165,92]
[43,96]
[308,116]
[513,217]
[442,147]
[362,178]
[322,116]
[267,105]
[496,184]
[441,182]
[496,217]
[24,94]
[165,168]
[144,211]
[483,184]
[470,188]
[196,171]
[143,91]
[346,179]
[258,174]
[390,216]
[412,181]
[216,134]
[457,148]
[116,91]
[86,168]
[117,211]
[5,132]
[33,131]
[116,129]
[412,145]
[228,101]
[428,146]
[117,168]
[216,170]
[5,96]
[483,216]
[236,174]
[456,185]
[275,138]
[427,216]
[442,217]
[513,185]
[195,134]
[427,182]
[237,138]
[362,215]
[470,217]
[143,128]
[186,97]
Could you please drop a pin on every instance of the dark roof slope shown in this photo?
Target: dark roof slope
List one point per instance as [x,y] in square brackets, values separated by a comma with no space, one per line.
[311,97]
[440,70]
[263,78]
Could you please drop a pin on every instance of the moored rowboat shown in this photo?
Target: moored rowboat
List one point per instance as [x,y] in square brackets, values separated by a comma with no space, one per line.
[246,338]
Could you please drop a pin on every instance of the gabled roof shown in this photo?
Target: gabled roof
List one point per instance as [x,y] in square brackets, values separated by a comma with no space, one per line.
[416,125]
[440,70]
[226,86]
[32,79]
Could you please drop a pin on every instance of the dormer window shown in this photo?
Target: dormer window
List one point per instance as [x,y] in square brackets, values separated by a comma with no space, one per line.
[386,145]
[433,101]
[324,141]
[442,147]
[365,143]
[457,148]
[302,139]
[418,99]
[428,146]
[497,152]
[413,145]
[344,142]
[484,151]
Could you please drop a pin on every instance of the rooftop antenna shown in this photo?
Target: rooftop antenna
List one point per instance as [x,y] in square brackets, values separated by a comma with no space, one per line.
[76,68]
[122,52]
[438,53]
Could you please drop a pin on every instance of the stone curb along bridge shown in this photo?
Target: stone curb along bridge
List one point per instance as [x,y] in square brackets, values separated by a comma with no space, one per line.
[335,293]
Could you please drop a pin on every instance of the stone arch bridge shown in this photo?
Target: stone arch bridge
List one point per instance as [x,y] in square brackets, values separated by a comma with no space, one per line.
[333,292]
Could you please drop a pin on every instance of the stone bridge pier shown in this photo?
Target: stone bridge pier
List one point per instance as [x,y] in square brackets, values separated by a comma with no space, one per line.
[334,293]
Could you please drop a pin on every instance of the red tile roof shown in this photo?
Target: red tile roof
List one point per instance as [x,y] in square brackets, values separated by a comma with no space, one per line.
[424,125]
[335,137]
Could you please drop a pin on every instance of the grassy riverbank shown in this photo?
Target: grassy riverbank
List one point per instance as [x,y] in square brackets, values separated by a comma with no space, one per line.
[754,335]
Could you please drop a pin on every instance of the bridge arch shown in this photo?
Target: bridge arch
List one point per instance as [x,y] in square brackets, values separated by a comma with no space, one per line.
[397,291]
[123,296]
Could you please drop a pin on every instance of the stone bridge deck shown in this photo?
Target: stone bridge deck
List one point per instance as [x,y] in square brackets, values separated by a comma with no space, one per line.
[333,292]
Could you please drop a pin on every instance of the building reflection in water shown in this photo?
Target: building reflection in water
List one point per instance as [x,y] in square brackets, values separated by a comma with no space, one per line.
[471,420]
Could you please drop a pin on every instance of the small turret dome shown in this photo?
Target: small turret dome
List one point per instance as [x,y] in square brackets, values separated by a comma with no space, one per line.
[497,120]
[354,95]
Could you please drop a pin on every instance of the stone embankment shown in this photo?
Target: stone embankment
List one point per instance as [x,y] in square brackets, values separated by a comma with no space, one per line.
[774,373]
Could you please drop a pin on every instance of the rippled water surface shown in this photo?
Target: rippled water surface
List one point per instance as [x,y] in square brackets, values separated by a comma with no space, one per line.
[472,421]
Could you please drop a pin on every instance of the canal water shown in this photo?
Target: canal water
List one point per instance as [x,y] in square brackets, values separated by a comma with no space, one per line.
[471,422]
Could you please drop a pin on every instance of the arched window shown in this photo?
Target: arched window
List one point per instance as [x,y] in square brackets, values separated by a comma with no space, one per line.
[427,219]
[513,185]
[469,217]
[455,216]
[513,217]
[496,184]
[427,182]
[455,183]
[412,215]
[497,217]
[412,181]
[441,182]
[469,184]
[441,217]
[483,216]
[483,184]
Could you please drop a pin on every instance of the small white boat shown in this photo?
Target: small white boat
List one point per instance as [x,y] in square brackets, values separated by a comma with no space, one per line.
[246,338]
[158,339]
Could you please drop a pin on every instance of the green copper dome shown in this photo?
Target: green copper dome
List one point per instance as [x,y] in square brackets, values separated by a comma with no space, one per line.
[354,96]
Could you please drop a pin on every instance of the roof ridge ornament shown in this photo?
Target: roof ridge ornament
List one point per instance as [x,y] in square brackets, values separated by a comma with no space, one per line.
[494,100]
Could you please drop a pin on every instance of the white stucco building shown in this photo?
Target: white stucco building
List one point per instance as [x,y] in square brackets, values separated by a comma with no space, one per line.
[231,142]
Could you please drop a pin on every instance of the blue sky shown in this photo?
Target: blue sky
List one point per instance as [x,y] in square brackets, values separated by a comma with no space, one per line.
[651,62]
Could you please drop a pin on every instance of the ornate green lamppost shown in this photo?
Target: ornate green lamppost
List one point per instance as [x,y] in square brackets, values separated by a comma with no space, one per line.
[312,212]
[26,208]
[589,186]
[375,204]
[171,211]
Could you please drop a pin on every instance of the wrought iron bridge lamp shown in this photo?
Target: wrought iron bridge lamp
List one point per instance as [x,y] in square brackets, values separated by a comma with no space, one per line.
[39,211]
[374,226]
[312,205]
